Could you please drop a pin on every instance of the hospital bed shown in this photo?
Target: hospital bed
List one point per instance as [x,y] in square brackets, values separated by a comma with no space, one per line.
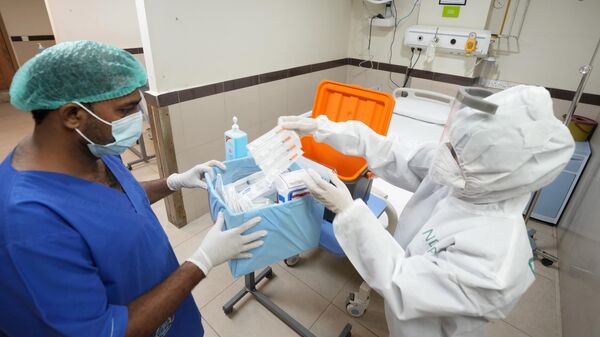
[419,116]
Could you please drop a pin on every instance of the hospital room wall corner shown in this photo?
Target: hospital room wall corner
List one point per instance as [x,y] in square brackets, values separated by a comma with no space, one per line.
[190,128]
[163,144]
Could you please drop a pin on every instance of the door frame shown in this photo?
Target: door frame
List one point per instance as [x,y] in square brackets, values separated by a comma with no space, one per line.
[9,45]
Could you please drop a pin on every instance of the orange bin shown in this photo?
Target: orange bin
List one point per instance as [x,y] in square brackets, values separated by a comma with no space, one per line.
[342,102]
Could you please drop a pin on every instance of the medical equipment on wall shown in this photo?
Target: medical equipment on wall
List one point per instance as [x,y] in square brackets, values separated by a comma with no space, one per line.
[457,41]
[389,17]
[275,151]
[235,142]
[506,18]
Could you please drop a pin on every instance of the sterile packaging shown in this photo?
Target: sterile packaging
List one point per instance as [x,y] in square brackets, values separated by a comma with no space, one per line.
[250,192]
[290,186]
[293,227]
[275,151]
[321,169]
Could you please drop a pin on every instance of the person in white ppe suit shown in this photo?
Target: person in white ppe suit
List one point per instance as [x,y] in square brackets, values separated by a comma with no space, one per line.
[460,255]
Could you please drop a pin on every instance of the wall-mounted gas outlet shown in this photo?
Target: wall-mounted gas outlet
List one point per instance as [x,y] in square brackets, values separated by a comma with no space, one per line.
[452,40]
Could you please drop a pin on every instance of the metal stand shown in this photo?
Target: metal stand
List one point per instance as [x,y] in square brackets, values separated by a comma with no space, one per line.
[585,70]
[250,288]
[141,154]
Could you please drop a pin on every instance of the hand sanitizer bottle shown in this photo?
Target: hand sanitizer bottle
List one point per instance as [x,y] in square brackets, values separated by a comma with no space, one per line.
[235,142]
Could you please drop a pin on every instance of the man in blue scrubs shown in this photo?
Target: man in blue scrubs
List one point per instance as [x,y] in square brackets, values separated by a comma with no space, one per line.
[81,252]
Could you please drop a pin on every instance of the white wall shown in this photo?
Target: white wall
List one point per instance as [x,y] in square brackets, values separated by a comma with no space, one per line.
[473,15]
[579,253]
[213,41]
[109,21]
[25,17]
[558,37]
[428,12]
[381,37]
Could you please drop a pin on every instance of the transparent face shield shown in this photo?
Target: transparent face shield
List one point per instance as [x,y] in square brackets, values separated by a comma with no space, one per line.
[468,101]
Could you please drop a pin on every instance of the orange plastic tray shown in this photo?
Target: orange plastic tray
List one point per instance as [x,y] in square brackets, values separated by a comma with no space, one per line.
[342,102]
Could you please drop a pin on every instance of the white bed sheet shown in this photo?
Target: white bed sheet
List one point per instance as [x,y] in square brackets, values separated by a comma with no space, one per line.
[408,129]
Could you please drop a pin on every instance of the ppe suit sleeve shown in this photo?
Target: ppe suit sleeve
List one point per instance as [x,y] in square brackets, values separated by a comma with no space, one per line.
[415,286]
[64,294]
[401,163]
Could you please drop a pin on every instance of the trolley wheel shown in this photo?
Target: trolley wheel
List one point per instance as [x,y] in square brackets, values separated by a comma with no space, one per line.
[347,331]
[269,275]
[547,262]
[292,260]
[356,310]
[228,311]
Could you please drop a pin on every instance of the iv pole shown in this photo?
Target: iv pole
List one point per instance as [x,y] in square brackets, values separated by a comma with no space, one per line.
[585,70]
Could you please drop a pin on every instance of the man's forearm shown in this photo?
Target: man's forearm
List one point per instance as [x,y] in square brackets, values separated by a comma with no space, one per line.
[149,311]
[156,189]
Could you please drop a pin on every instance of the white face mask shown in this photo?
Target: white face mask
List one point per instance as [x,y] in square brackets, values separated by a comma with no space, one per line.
[445,169]
[126,131]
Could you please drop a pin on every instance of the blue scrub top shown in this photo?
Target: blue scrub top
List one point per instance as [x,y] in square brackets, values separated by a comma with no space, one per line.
[74,253]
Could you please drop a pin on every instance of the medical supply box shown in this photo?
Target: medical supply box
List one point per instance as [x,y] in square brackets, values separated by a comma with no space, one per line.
[343,102]
[290,186]
[293,227]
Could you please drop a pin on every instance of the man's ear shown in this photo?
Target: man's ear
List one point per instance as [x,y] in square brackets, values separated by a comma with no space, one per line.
[72,116]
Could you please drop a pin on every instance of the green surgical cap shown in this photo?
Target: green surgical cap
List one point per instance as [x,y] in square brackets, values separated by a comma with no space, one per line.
[80,71]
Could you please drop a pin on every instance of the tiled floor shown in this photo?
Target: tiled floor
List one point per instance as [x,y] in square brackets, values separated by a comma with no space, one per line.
[315,290]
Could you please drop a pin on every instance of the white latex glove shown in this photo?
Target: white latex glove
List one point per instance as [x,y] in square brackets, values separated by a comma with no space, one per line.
[302,125]
[221,246]
[336,197]
[192,178]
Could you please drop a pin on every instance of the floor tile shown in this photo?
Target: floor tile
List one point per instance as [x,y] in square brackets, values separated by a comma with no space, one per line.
[144,173]
[333,320]
[374,318]
[546,240]
[549,272]
[251,319]
[542,227]
[129,156]
[324,273]
[198,225]
[208,330]
[219,278]
[176,236]
[502,329]
[536,314]
[187,231]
